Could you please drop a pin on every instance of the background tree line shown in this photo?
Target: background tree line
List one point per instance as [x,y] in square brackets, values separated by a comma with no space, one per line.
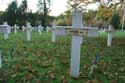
[107,12]
[15,14]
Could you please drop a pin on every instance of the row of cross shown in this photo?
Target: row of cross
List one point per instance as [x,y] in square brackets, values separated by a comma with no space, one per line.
[6,29]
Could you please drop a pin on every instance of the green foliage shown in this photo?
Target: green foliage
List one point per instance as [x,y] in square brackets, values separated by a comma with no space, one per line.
[115,21]
[23,7]
[15,14]
[104,13]
[10,13]
[65,19]
[89,18]
[22,13]
[44,6]
[1,17]
[44,9]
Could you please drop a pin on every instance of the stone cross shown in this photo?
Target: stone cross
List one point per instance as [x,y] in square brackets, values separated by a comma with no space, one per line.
[47,29]
[28,27]
[77,31]
[53,32]
[5,34]
[15,28]
[23,28]
[39,29]
[5,29]
[109,40]
[76,44]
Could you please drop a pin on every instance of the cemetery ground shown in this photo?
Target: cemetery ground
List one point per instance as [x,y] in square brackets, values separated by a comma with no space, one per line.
[41,61]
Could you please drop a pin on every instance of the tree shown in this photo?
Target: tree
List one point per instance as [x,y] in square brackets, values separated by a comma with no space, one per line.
[115,21]
[10,13]
[65,19]
[44,8]
[80,4]
[107,9]
[1,17]
[104,13]
[22,13]
[89,18]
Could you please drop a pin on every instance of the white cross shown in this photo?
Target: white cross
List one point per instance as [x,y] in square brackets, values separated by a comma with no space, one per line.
[15,28]
[28,27]
[39,29]
[23,28]
[77,31]
[47,28]
[53,32]
[5,29]
[109,31]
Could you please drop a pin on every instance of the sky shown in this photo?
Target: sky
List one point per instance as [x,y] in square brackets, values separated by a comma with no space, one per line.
[57,6]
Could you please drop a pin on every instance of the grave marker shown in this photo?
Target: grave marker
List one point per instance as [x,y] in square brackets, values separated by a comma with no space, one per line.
[39,29]
[5,29]
[109,36]
[76,43]
[23,28]
[53,32]
[6,33]
[15,28]
[77,31]
[47,29]
[28,27]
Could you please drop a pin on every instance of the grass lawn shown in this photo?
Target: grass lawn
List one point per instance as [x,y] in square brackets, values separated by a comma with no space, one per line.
[41,61]
[118,34]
